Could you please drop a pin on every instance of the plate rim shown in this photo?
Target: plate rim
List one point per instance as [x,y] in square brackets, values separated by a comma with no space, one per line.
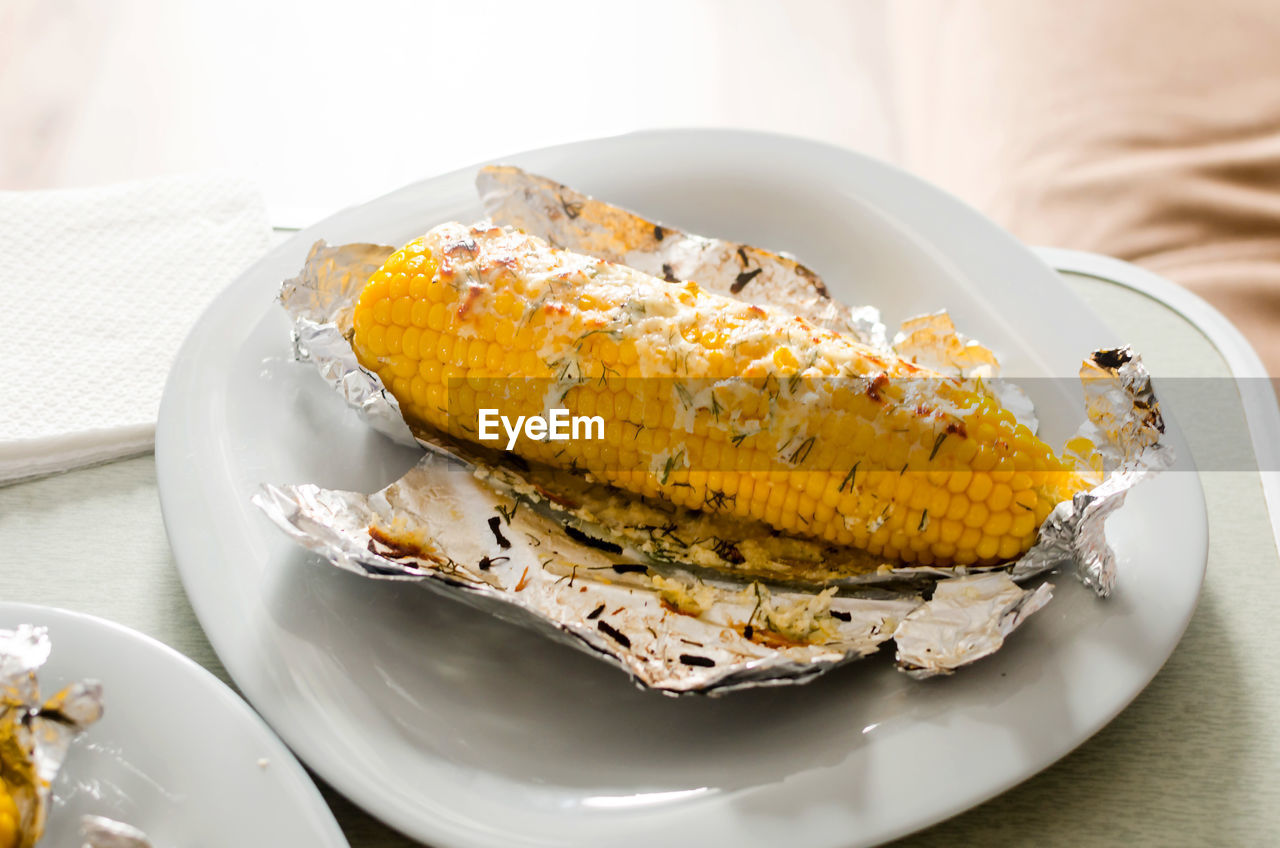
[416,826]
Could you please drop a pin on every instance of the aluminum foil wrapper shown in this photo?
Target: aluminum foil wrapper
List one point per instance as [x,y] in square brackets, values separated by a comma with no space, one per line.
[967,619]
[320,301]
[574,221]
[102,832]
[1125,426]
[668,628]
[581,567]
[35,732]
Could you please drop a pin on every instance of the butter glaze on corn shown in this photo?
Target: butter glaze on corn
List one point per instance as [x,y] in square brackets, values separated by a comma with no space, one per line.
[825,437]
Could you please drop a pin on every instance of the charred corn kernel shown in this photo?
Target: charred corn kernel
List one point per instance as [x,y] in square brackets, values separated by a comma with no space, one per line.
[808,430]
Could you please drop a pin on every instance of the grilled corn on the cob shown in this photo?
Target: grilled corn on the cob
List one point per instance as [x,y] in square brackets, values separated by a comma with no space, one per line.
[707,402]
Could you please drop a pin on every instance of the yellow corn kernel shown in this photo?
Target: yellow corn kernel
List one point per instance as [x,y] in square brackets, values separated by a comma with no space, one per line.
[9,819]
[468,318]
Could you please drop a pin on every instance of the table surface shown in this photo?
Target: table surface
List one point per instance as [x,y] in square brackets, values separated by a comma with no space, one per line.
[1194,760]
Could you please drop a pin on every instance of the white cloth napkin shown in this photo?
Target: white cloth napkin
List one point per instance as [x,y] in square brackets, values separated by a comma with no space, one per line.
[99,288]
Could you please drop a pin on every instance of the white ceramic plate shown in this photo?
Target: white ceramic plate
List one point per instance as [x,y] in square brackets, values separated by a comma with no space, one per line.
[463,730]
[176,752]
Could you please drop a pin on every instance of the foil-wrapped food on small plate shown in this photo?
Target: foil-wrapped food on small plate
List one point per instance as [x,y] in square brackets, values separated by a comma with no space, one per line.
[108,739]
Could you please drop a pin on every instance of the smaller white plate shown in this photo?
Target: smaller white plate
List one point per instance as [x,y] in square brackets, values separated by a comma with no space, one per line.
[176,753]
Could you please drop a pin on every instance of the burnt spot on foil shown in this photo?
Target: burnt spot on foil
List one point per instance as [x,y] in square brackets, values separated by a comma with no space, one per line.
[591,541]
[630,568]
[595,613]
[613,633]
[1113,358]
[740,281]
[495,525]
[841,616]
[818,285]
[668,273]
[695,660]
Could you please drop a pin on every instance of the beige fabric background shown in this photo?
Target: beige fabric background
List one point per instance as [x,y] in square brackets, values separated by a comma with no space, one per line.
[1144,129]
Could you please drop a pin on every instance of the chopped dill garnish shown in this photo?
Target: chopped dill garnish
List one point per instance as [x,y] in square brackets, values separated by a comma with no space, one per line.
[716,499]
[613,334]
[801,453]
[685,398]
[509,512]
[670,466]
[793,383]
[849,478]
[773,394]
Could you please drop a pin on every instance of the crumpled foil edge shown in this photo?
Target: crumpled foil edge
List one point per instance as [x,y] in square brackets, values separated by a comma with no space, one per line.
[1125,425]
[967,618]
[320,331]
[43,729]
[102,832]
[572,589]
[575,221]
